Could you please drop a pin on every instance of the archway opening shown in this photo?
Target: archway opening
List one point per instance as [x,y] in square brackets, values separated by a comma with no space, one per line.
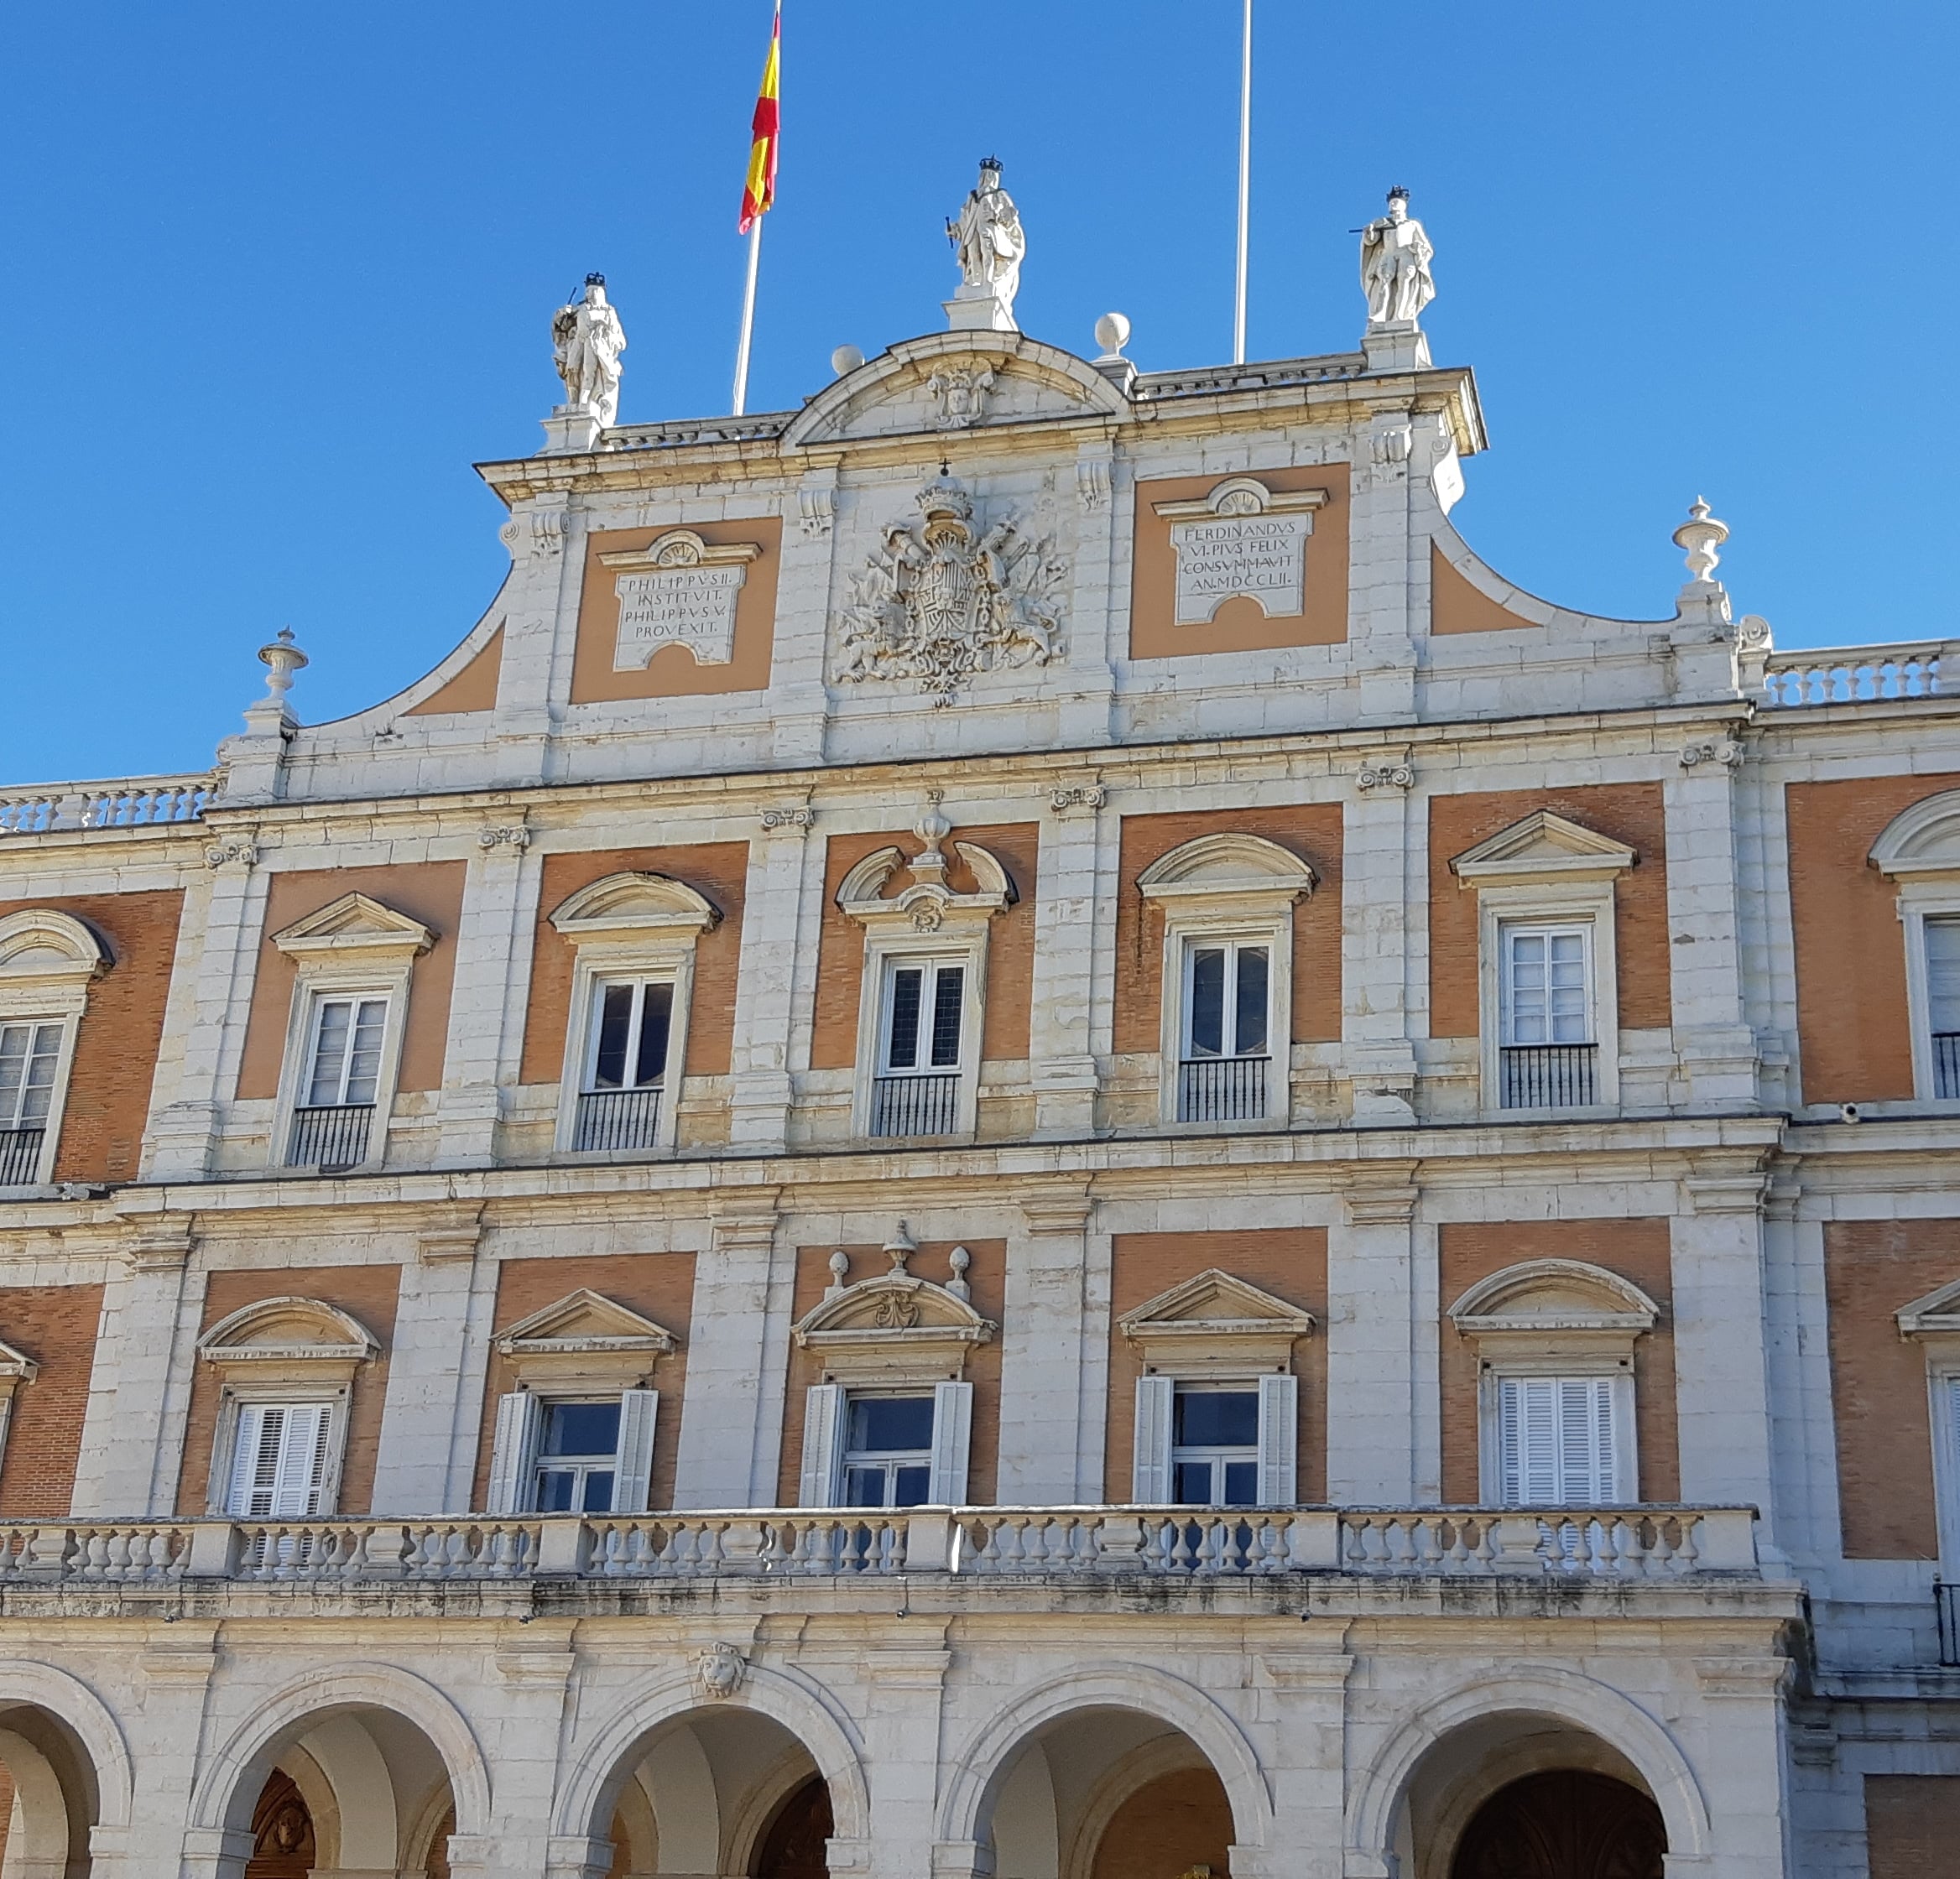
[1519,1795]
[1108,1793]
[354,1788]
[719,1790]
[50,1801]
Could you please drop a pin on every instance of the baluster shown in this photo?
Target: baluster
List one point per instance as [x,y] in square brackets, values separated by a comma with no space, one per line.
[1157,1546]
[422,1561]
[1354,1544]
[1011,1536]
[96,1562]
[1660,1559]
[1688,1552]
[1429,1551]
[1629,1549]
[1034,1547]
[666,1560]
[1457,1554]
[1184,1552]
[711,1555]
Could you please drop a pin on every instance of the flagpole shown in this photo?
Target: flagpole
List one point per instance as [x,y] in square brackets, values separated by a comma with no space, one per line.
[1244,187]
[748,317]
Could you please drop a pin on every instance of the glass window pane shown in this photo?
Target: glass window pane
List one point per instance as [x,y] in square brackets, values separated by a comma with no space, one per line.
[1250,1039]
[580,1428]
[330,1052]
[12,1071]
[1242,1483]
[902,1049]
[914,1485]
[615,1028]
[556,1486]
[1207,1023]
[656,1014]
[1190,1484]
[864,1487]
[947,992]
[28,1056]
[1216,1419]
[364,1054]
[598,1494]
[1942,974]
[890,1424]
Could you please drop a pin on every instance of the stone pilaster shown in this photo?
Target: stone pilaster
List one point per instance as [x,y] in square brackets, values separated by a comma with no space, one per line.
[546,541]
[1070,912]
[799,697]
[1303,1697]
[1380,537]
[783,867]
[1384,864]
[533,1669]
[1053,1358]
[905,1685]
[1371,1357]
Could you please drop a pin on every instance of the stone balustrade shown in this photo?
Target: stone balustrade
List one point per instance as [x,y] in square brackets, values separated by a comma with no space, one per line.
[1849,675]
[144,802]
[1002,1542]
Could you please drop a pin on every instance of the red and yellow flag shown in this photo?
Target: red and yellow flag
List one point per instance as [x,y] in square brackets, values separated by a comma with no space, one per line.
[758,192]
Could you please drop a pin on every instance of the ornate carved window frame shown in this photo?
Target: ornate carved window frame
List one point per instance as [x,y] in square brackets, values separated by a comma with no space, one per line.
[48,961]
[1227,886]
[1919,852]
[630,925]
[1584,1323]
[353,946]
[1546,869]
[1933,1323]
[926,919]
[317,1359]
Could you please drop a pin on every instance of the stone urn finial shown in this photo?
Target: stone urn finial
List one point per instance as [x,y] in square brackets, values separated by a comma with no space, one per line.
[1701,537]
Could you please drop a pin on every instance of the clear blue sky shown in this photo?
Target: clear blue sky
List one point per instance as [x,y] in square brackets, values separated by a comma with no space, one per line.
[276,275]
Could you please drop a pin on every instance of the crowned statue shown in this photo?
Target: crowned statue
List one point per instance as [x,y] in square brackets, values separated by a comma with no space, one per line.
[990,241]
[1395,254]
[586,340]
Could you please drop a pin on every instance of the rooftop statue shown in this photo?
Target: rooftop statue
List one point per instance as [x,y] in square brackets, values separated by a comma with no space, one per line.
[586,340]
[990,241]
[1395,254]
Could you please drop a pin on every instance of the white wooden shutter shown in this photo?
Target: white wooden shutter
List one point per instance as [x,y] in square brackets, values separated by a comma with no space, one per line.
[1151,1469]
[279,1458]
[1557,1441]
[823,1446]
[1278,1441]
[513,1453]
[632,1465]
[255,1450]
[952,1436]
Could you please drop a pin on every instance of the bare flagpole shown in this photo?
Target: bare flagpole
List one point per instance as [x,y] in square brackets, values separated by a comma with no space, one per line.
[748,315]
[1244,188]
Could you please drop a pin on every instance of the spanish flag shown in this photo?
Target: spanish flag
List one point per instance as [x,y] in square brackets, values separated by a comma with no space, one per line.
[759,191]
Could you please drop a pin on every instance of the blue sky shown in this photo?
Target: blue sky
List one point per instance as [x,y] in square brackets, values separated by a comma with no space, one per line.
[275,276]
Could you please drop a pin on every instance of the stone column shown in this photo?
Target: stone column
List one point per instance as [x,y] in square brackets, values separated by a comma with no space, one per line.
[1741,1766]
[131,1441]
[1053,1362]
[779,876]
[1301,1692]
[211,990]
[1712,1033]
[737,1358]
[487,1003]
[1069,908]
[1383,865]
[1721,1359]
[534,1662]
[1371,1345]
[430,1373]
[174,1671]
[904,1690]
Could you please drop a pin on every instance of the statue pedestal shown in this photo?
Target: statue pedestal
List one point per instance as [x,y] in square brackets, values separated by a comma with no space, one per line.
[1395,346]
[571,428]
[979,312]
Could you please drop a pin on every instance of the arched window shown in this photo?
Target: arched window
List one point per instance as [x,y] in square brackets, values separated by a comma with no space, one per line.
[47,963]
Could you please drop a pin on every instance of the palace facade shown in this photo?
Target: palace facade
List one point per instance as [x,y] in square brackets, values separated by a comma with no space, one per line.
[1012,1136]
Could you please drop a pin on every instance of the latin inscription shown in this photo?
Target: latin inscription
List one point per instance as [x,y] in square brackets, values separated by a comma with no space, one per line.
[1221,556]
[690,606]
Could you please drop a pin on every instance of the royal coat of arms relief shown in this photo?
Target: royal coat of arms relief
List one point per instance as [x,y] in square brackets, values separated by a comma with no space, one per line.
[944,599]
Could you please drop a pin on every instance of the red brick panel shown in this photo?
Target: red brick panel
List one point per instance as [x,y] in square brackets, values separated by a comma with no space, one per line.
[57,1326]
[1912,1824]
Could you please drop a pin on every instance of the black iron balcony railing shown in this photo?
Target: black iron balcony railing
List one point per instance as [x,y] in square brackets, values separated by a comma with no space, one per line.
[331,1139]
[915,1104]
[617,1119]
[1548,1076]
[1221,1088]
[1946,1600]
[20,1155]
[1947,1063]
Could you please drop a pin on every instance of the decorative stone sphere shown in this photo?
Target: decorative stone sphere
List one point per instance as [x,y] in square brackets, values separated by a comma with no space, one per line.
[847,358]
[1113,331]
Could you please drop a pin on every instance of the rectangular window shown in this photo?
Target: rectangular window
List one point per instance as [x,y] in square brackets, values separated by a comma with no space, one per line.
[578,1448]
[1557,1441]
[630,1022]
[1215,1447]
[1942,1002]
[344,1066]
[1228,1024]
[280,1460]
[888,1451]
[1548,1053]
[916,1089]
[29,1052]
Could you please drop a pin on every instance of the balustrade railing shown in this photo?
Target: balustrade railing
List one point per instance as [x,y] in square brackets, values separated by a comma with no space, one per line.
[1947,1611]
[331,1139]
[980,1543]
[20,1155]
[1221,1090]
[143,803]
[616,1119]
[1548,1076]
[1849,675]
[915,1104]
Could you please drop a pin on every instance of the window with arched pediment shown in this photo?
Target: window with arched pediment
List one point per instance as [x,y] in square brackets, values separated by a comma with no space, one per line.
[1554,1340]
[1227,901]
[48,961]
[287,1368]
[1919,852]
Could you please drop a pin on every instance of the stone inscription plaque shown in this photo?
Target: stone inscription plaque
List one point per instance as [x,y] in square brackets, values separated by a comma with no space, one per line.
[1241,539]
[678,591]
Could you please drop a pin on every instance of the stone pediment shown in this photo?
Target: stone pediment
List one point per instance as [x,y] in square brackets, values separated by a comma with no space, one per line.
[1936,1315]
[354,924]
[584,1341]
[289,1340]
[628,906]
[1543,844]
[1554,1294]
[16,1367]
[946,382]
[895,1326]
[1216,1318]
[1923,840]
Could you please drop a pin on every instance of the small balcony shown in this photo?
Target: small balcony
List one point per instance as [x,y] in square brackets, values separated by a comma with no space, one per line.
[331,1139]
[915,1104]
[1221,1090]
[20,1156]
[1548,1075]
[1946,1065]
[1947,1601]
[616,1120]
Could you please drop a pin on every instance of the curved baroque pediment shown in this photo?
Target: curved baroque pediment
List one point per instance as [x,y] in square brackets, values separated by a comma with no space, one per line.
[1924,839]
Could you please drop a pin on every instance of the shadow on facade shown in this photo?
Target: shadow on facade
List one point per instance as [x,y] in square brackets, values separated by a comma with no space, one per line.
[48,1799]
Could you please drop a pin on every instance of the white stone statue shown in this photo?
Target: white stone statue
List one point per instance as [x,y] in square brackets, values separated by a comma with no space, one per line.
[586,340]
[1395,254]
[991,242]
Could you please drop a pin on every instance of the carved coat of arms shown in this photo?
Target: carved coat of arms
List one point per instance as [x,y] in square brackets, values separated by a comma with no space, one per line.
[942,599]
